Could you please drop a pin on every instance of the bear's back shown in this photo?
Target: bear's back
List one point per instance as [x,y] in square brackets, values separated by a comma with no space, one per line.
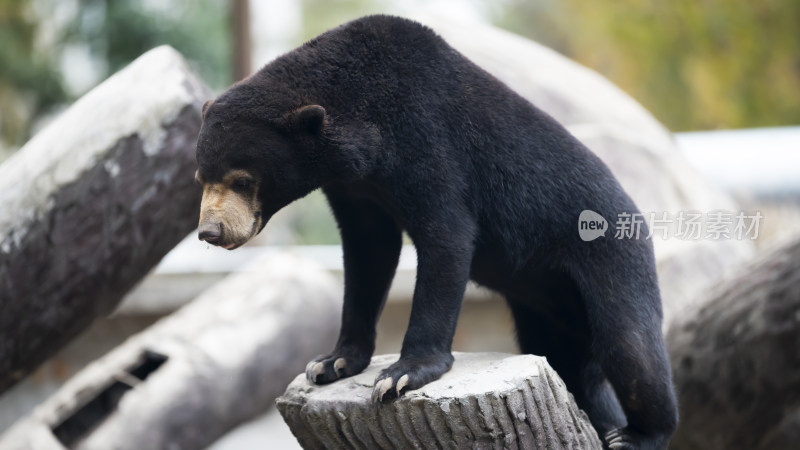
[378,30]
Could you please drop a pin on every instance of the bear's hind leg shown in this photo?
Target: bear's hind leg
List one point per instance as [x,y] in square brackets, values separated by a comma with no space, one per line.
[568,353]
[638,369]
[600,402]
[625,319]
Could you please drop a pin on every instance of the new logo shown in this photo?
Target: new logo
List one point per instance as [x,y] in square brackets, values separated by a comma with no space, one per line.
[591,225]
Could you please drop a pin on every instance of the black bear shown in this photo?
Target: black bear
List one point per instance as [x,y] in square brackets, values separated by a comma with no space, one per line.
[402,132]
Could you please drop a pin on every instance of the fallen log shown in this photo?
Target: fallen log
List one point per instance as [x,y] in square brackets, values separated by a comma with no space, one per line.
[182,383]
[92,203]
[487,400]
[736,360]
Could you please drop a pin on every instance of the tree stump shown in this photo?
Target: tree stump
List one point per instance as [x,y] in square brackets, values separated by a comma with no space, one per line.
[487,400]
[217,362]
[92,203]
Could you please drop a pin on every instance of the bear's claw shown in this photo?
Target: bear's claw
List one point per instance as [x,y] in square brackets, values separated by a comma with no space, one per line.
[381,388]
[409,373]
[401,383]
[341,363]
[313,370]
[620,440]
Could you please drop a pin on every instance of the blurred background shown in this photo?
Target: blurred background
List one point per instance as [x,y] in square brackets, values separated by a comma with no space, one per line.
[724,75]
[717,64]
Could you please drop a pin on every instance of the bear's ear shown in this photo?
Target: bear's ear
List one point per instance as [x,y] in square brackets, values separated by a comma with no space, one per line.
[309,118]
[206,105]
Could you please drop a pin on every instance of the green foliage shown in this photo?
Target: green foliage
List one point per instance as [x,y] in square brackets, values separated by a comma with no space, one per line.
[29,83]
[322,15]
[694,64]
[313,222]
[544,21]
[118,31]
[114,32]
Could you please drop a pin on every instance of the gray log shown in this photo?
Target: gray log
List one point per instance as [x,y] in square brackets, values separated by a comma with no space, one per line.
[92,203]
[736,360]
[217,362]
[487,400]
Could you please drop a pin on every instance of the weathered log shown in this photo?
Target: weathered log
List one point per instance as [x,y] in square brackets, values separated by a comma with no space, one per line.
[92,203]
[487,400]
[217,362]
[736,360]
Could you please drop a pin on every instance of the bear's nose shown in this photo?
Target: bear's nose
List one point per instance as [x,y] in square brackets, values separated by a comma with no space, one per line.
[210,233]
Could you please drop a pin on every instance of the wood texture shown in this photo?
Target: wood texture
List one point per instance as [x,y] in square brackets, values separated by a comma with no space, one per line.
[736,360]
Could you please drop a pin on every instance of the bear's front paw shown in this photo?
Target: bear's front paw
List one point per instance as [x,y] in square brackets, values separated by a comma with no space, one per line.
[339,364]
[409,373]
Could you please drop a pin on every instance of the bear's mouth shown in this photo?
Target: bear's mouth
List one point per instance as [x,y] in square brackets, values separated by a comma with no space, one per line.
[229,218]
[257,226]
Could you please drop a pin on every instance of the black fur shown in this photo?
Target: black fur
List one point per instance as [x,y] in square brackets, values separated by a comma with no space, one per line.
[413,136]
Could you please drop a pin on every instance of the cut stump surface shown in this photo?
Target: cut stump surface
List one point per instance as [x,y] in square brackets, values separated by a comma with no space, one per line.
[487,400]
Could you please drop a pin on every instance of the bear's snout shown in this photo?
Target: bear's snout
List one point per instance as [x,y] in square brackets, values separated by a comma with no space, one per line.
[210,232]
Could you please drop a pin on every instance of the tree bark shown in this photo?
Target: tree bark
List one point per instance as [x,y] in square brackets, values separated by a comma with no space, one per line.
[736,360]
[487,400]
[217,362]
[242,46]
[92,203]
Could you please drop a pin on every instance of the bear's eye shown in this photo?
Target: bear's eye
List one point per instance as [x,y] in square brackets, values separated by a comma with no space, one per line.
[242,184]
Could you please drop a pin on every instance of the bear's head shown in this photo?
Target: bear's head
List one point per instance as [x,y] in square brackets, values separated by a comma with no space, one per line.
[255,157]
